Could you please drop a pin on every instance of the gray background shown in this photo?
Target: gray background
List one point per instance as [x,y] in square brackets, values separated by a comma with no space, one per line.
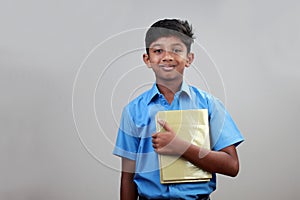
[50,151]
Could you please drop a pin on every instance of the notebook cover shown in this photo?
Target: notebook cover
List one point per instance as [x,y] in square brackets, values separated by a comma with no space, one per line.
[192,126]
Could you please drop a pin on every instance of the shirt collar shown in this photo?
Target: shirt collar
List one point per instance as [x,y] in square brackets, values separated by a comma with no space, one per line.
[185,88]
[154,91]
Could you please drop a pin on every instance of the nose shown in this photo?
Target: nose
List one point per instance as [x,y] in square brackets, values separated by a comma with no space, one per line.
[168,56]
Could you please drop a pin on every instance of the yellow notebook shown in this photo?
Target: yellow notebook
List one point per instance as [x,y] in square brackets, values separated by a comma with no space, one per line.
[192,126]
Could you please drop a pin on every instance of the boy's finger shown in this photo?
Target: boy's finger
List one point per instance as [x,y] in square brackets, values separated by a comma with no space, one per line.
[154,135]
[164,124]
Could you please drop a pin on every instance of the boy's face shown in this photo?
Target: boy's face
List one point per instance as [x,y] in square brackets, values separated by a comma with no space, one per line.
[168,58]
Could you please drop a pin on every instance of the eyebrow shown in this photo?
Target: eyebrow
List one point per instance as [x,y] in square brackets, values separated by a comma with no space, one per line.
[156,45]
[177,44]
[159,45]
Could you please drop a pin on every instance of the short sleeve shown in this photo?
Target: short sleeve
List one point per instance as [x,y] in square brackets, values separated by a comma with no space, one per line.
[127,141]
[223,130]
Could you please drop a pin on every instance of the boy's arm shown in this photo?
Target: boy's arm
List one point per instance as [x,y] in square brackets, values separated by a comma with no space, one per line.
[128,189]
[224,161]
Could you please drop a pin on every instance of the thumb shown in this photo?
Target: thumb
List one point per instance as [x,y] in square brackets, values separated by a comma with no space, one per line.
[165,125]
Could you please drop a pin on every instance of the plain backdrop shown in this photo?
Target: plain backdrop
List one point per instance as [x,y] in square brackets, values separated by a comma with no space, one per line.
[68,67]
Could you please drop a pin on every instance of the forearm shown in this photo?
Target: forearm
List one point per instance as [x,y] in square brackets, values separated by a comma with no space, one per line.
[223,162]
[128,188]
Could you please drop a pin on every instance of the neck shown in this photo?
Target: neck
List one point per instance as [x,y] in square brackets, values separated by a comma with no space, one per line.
[168,89]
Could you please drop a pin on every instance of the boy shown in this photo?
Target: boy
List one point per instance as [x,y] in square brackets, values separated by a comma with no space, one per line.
[168,45]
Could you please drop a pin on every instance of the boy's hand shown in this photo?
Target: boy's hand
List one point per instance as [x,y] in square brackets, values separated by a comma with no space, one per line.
[167,142]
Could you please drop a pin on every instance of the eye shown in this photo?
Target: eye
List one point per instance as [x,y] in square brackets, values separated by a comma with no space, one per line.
[158,51]
[177,50]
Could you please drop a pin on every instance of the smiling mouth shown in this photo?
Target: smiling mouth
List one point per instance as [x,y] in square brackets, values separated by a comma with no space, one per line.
[167,67]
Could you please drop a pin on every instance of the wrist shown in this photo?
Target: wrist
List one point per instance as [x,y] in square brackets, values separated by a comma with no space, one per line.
[182,146]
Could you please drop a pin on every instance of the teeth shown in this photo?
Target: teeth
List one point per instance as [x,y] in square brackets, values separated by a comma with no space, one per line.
[167,68]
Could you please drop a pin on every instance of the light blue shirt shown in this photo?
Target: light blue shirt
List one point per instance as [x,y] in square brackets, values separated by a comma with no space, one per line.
[137,125]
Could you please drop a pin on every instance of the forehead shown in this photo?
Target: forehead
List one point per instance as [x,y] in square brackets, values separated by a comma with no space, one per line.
[167,41]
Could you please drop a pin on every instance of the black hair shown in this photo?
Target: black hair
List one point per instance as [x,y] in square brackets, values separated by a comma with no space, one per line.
[170,27]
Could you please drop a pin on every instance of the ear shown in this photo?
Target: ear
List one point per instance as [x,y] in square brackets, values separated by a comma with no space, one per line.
[146,59]
[189,59]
